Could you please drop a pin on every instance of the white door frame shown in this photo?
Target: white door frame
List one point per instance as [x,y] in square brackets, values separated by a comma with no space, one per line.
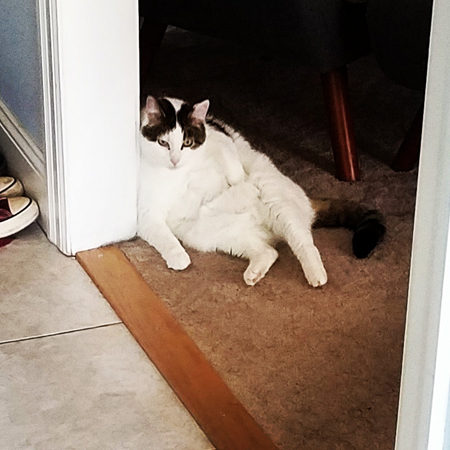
[92,119]
[55,224]
[91,95]
[423,421]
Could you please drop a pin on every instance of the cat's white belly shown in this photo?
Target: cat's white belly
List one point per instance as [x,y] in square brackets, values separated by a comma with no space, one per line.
[235,213]
[239,198]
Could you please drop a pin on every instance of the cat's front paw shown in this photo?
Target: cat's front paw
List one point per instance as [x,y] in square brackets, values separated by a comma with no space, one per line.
[178,260]
[317,278]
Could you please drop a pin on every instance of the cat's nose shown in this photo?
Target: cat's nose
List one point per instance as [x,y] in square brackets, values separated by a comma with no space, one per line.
[175,158]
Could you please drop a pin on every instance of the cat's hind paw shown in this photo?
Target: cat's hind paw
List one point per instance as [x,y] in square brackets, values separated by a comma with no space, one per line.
[258,267]
[178,260]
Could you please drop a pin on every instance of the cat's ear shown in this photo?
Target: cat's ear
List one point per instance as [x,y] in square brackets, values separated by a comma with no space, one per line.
[152,110]
[199,111]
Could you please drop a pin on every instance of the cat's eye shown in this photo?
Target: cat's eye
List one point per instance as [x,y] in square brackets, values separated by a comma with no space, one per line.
[163,143]
[188,142]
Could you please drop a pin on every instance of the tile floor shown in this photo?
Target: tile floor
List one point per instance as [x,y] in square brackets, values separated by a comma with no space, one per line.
[71,375]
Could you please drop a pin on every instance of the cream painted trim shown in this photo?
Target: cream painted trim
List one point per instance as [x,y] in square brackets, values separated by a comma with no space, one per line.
[42,171]
[54,149]
[33,154]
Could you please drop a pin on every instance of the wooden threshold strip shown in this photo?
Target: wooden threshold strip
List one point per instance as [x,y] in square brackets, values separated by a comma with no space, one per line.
[220,415]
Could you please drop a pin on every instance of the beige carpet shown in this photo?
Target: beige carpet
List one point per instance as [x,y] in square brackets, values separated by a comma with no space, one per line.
[319,369]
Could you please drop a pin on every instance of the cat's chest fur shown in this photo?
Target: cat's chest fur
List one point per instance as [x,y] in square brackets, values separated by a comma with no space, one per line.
[181,193]
[196,187]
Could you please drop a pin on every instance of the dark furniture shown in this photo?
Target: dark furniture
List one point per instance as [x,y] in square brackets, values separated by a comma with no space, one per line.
[400,34]
[326,34]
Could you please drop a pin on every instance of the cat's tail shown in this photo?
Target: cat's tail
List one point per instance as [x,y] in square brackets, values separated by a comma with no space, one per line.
[368,225]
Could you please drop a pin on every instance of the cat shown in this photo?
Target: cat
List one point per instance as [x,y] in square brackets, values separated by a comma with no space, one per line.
[202,185]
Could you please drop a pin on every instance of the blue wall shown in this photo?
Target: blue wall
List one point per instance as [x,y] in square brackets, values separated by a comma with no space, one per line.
[20,65]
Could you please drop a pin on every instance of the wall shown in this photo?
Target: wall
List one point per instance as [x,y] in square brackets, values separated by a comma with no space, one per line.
[20,61]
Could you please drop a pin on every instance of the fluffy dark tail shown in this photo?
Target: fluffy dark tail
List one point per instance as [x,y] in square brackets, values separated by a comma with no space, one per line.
[367,224]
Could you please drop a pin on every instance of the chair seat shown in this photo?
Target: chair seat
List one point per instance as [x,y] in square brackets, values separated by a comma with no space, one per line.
[326,34]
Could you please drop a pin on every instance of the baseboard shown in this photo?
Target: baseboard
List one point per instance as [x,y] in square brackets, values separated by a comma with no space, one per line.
[26,160]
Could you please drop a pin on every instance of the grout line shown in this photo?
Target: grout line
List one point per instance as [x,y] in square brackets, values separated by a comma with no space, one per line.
[59,333]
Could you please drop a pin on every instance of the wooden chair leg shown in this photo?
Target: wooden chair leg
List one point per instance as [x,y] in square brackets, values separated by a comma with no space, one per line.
[408,154]
[336,95]
[150,38]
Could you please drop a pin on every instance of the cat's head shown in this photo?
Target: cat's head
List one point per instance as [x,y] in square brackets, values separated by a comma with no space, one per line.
[173,129]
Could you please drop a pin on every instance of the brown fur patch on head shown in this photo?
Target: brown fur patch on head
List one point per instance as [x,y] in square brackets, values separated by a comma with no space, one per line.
[162,123]
[193,129]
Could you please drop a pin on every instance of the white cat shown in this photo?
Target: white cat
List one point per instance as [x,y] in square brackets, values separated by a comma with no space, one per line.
[203,185]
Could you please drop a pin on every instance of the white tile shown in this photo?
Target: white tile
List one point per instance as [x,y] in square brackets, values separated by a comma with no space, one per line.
[43,291]
[92,389]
